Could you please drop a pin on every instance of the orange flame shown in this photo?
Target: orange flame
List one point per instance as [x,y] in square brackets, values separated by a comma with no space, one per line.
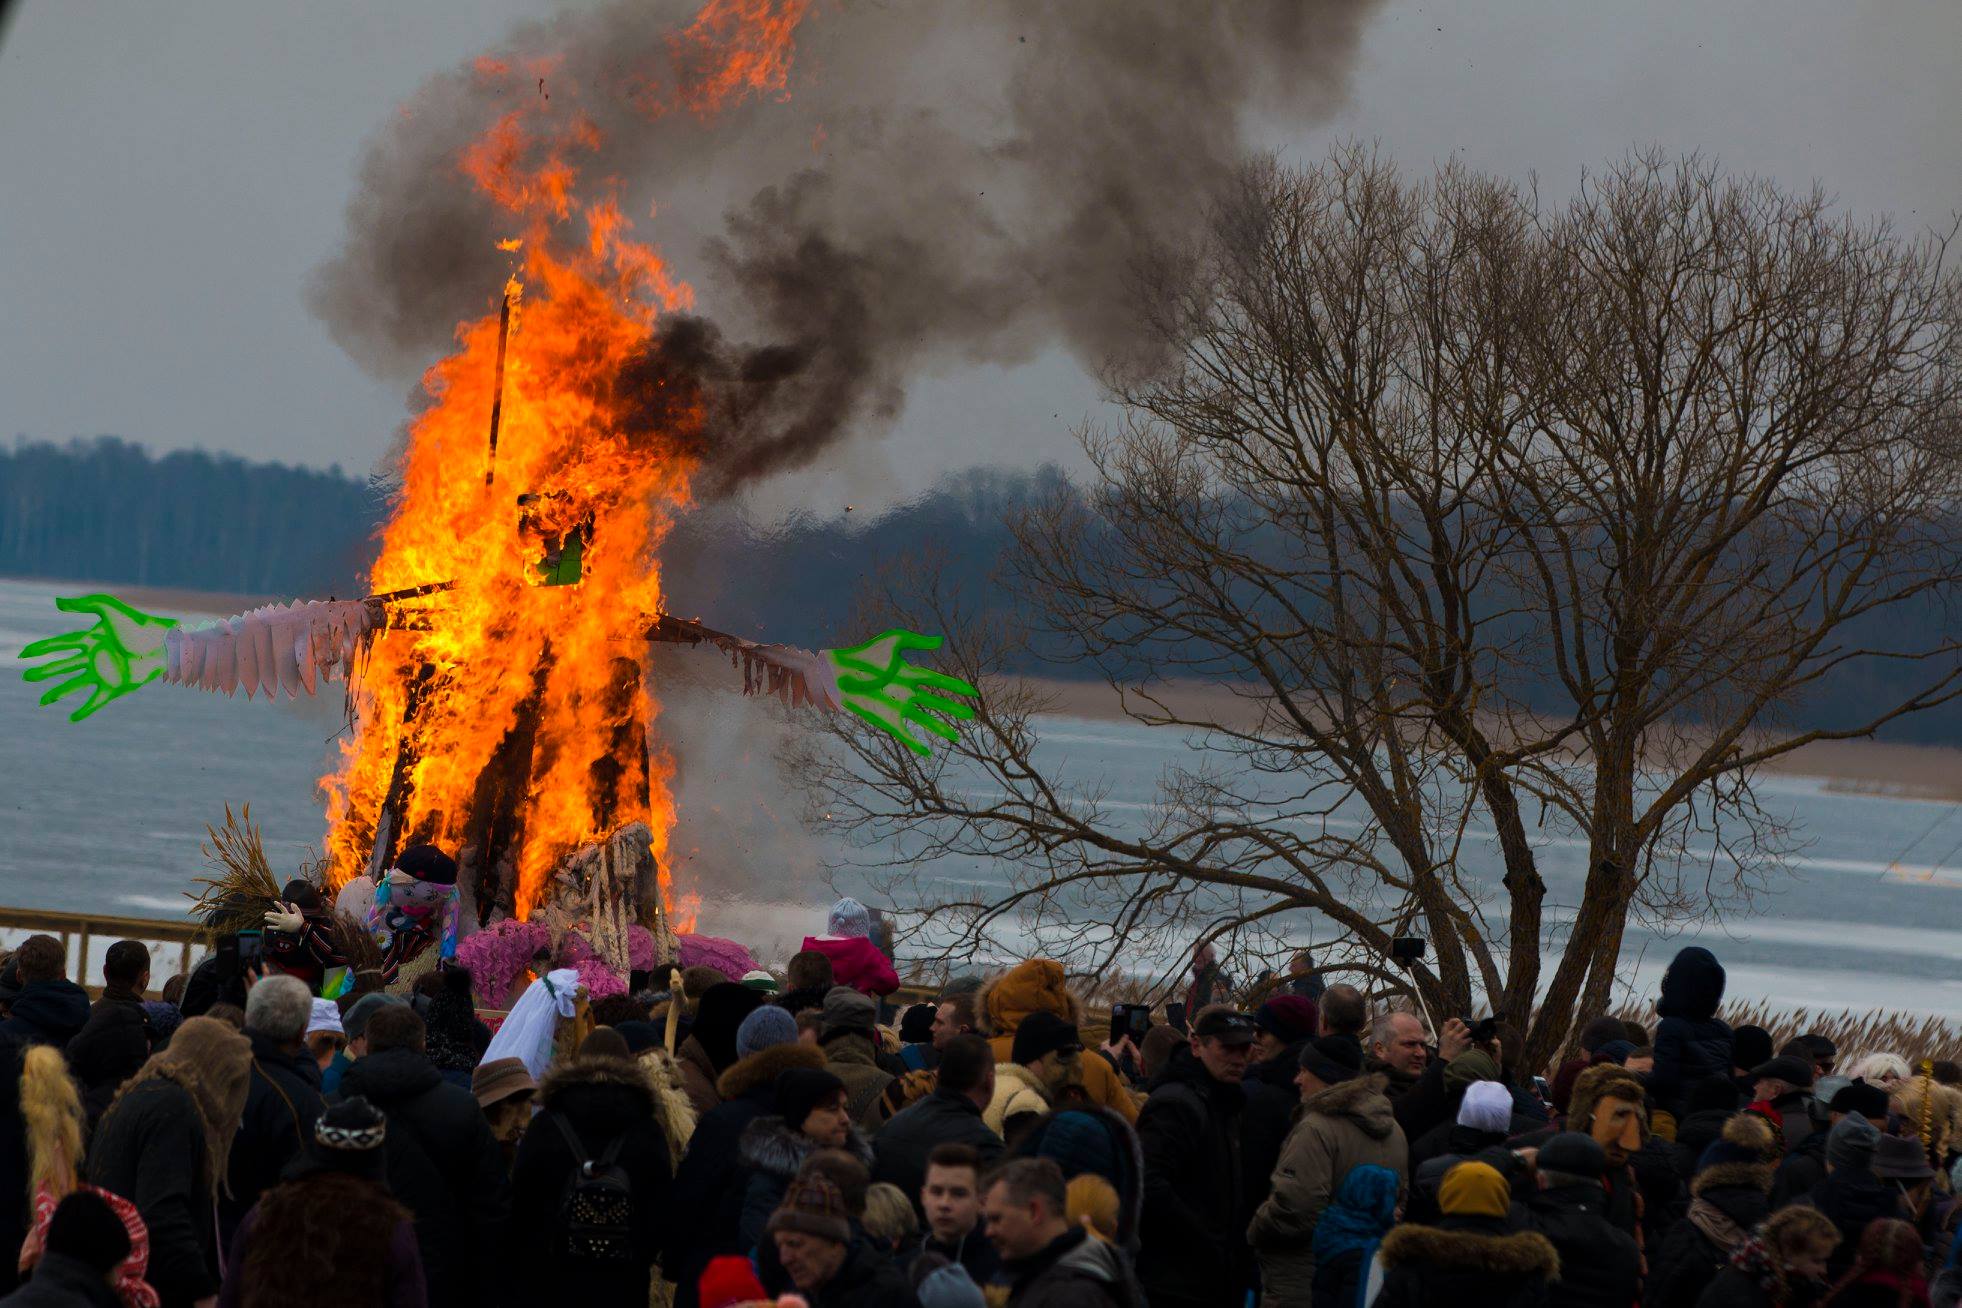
[496,655]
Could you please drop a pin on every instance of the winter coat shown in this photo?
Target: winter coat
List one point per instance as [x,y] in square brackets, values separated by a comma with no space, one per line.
[1600,1266]
[866,1279]
[1465,1261]
[111,1047]
[282,1102]
[851,1058]
[1273,1101]
[1074,1270]
[1851,1200]
[1452,1141]
[445,1167]
[150,1149]
[770,1154]
[706,1200]
[1340,1127]
[1736,1288]
[14,1211]
[972,1251]
[1117,1157]
[406,1286]
[1037,986]
[603,1100]
[1694,1134]
[856,962]
[1018,1092]
[899,1153]
[698,1075]
[1691,1043]
[1421,1102]
[48,1013]
[1194,1250]
[1801,1171]
[1722,1213]
[63,1281]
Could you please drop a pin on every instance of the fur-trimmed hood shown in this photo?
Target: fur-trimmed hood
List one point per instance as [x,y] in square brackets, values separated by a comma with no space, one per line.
[1605,1080]
[1521,1254]
[1034,986]
[762,1068]
[1745,1155]
[771,1147]
[1360,1100]
[593,1070]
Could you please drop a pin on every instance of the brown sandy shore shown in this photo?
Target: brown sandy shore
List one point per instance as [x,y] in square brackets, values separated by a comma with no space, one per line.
[1899,771]
[1857,766]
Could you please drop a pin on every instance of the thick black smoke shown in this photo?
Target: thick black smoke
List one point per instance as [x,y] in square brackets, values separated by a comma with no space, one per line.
[968,182]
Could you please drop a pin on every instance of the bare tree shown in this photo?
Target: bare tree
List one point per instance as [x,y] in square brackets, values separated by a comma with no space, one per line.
[1500,520]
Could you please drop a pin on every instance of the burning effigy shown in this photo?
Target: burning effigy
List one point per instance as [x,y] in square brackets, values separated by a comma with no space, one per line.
[499,766]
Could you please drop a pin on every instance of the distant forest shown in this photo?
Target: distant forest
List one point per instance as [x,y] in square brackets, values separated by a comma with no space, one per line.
[108,511]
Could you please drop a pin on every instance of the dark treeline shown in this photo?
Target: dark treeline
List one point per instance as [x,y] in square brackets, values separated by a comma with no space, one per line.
[108,511]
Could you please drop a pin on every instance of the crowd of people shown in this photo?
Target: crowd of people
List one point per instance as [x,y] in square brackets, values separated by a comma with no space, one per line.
[797,1138]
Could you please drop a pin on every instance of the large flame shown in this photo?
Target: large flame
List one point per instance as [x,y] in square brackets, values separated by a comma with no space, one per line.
[584,303]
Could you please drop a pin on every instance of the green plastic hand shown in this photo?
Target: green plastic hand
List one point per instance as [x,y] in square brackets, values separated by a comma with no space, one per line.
[122,652]
[878,685]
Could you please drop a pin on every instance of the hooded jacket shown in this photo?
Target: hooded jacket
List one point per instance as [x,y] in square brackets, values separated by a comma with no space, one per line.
[151,1149]
[770,1154]
[604,1100]
[1018,1092]
[1075,1270]
[1194,1250]
[1727,1202]
[1340,1127]
[1037,986]
[1691,1043]
[445,1167]
[706,1199]
[62,1281]
[1466,1260]
[850,1057]
[856,962]
[47,1013]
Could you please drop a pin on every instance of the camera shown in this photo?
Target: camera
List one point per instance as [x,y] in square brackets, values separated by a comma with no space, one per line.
[1407,949]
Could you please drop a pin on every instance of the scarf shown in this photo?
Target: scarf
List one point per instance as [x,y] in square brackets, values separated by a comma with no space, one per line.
[1715,1224]
[213,1064]
[128,1281]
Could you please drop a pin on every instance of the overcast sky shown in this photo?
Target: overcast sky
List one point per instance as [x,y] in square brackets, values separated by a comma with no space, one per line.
[171,173]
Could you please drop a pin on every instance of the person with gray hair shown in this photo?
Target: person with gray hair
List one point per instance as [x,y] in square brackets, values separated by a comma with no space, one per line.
[282,1100]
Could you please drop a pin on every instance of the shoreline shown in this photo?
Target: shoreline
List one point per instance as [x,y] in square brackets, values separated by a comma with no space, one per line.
[1886,769]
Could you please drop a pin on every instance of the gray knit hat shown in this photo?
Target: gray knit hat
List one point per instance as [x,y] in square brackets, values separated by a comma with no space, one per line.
[1850,1145]
[764,1028]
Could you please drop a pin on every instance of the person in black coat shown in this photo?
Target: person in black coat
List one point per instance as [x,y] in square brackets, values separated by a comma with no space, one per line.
[1470,1256]
[164,1144]
[1711,1104]
[1286,1025]
[115,1041]
[1599,1263]
[443,1163]
[1692,1043]
[1193,1226]
[43,1006]
[1727,1202]
[949,1115]
[13,1161]
[1851,1196]
[610,1107]
[86,1243]
[282,1102]
[706,1199]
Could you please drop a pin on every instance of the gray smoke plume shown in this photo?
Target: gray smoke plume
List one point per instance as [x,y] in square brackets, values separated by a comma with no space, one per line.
[943,183]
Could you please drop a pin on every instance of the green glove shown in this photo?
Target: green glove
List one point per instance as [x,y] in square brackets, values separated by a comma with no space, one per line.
[122,652]
[893,695]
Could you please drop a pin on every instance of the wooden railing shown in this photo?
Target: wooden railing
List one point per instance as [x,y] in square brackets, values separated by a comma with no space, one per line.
[79,931]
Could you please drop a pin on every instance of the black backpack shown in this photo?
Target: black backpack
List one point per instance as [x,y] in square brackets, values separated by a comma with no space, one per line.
[597,1210]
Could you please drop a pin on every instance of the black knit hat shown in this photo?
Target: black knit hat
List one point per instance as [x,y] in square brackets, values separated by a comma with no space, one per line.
[916,1027]
[86,1228]
[1043,1033]
[802,1089]
[1330,1060]
[427,863]
[1575,1154]
[1869,1101]
[1750,1045]
[348,1139]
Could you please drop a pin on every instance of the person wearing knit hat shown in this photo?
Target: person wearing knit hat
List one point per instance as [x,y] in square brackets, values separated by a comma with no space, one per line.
[1285,1025]
[1469,1256]
[1564,1202]
[1484,1121]
[762,983]
[1345,1121]
[812,1231]
[1283,1021]
[1046,1064]
[1851,1195]
[706,1201]
[1728,1200]
[1750,1045]
[354,1022]
[850,1040]
[336,1206]
[855,960]
[809,1113]
[1041,985]
[1471,1066]
[1487,1106]
[729,1281]
[87,1243]
[938,1283]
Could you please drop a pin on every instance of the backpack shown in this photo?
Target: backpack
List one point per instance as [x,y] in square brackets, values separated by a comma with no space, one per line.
[596,1212]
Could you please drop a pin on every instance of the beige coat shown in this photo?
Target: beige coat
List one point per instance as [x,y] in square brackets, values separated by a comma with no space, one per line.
[1344,1126]
[1017,1091]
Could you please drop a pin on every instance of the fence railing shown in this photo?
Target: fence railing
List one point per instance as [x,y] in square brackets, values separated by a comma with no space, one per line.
[182,940]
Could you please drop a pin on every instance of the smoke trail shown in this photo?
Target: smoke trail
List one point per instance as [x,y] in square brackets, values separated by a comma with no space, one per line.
[932,184]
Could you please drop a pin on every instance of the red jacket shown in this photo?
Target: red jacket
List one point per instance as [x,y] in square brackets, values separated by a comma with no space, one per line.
[856,962]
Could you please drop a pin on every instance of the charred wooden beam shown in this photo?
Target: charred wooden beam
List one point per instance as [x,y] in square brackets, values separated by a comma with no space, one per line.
[389,821]
[494,831]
